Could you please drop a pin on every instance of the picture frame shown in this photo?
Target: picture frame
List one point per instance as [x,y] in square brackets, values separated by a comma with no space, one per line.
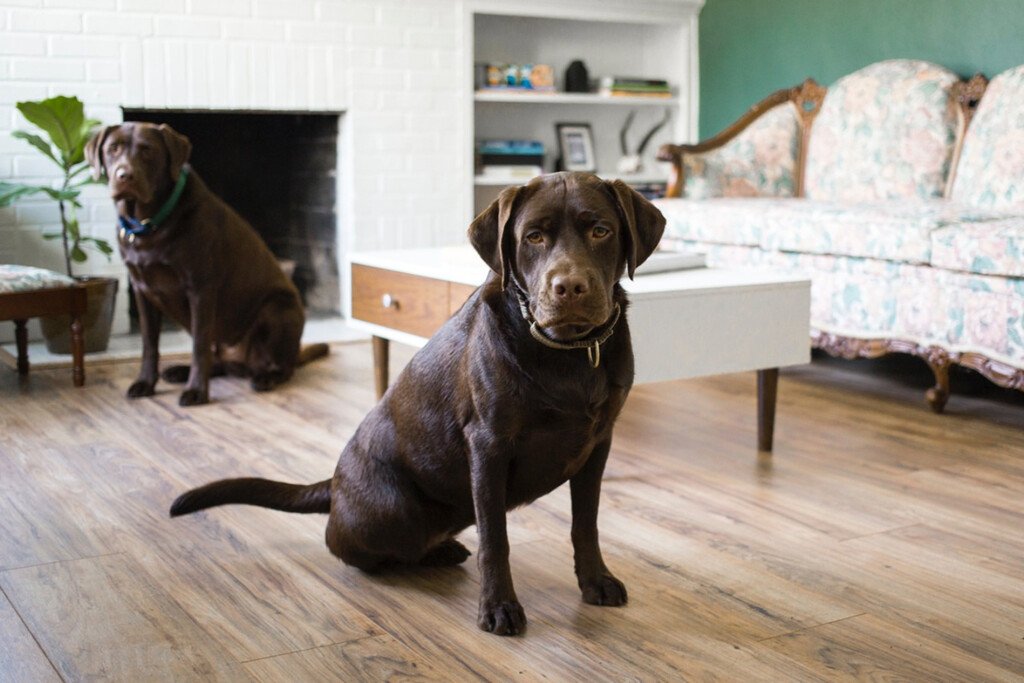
[576,147]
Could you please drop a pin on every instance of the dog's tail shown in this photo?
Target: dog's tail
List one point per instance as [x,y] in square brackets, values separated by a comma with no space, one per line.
[310,352]
[262,492]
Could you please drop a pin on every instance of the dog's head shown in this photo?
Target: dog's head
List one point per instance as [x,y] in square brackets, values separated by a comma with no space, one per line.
[565,239]
[137,158]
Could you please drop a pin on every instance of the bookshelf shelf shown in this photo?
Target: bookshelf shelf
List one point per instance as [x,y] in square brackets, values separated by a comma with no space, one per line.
[571,98]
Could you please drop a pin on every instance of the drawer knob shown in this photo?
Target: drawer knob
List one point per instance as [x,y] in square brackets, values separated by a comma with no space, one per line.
[387,301]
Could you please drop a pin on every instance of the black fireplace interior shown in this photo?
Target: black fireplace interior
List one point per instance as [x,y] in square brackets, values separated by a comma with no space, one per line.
[278,171]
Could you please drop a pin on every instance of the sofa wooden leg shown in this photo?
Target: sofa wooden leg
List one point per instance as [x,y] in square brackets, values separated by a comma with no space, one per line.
[937,396]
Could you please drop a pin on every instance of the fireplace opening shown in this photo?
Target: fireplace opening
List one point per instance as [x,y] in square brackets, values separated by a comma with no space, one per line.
[278,170]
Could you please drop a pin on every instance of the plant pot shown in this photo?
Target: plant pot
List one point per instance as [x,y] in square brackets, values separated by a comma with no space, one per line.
[101,292]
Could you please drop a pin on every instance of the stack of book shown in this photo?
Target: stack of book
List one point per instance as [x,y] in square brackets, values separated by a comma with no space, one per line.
[624,86]
[511,158]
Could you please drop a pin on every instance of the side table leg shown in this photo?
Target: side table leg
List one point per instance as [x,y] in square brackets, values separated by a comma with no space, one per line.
[767,390]
[380,365]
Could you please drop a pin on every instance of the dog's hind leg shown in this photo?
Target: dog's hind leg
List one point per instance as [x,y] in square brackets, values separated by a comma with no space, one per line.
[447,553]
[273,345]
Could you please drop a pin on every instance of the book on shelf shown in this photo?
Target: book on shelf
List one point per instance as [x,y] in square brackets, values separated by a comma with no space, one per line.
[510,153]
[624,86]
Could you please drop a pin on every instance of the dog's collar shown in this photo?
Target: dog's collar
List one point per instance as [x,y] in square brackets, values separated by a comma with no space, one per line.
[131,228]
[592,343]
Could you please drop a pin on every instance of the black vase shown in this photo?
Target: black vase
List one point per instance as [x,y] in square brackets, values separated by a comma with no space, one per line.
[576,77]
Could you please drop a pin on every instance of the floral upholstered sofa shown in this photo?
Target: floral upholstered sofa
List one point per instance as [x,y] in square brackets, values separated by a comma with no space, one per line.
[899,190]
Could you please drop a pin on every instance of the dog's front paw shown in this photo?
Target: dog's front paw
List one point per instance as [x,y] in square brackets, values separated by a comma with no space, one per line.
[606,591]
[140,388]
[193,397]
[502,618]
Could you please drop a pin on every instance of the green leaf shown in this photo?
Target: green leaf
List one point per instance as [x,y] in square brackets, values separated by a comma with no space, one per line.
[11,191]
[84,133]
[39,143]
[52,235]
[62,195]
[100,245]
[77,255]
[63,119]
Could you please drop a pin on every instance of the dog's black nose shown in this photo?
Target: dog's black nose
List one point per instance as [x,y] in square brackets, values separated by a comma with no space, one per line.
[569,287]
[123,173]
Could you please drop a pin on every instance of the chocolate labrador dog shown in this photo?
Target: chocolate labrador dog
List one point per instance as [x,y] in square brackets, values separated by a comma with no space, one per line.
[516,394]
[191,257]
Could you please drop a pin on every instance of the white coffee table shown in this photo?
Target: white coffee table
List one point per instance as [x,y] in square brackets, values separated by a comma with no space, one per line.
[688,323]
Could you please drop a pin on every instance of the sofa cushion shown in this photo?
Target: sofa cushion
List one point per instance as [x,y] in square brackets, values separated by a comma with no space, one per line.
[885,131]
[892,230]
[988,248]
[759,162]
[990,171]
[718,220]
[28,279]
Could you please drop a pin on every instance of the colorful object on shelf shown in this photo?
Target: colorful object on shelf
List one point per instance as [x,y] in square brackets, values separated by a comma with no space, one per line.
[518,77]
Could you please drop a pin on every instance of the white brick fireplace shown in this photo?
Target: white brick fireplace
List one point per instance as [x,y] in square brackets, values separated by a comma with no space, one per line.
[393,69]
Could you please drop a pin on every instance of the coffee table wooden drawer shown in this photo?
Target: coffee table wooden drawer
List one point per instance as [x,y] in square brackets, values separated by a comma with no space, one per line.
[409,303]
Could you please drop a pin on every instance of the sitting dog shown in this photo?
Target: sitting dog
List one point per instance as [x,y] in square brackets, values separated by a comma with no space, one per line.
[516,394]
[191,257]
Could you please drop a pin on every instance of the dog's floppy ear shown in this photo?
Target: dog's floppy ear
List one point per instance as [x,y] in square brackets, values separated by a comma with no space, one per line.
[94,152]
[488,234]
[178,147]
[643,221]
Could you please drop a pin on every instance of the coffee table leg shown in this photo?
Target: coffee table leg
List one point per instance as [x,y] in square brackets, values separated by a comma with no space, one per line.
[380,365]
[767,389]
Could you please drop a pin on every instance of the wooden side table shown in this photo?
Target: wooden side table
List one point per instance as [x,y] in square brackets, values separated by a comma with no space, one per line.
[70,300]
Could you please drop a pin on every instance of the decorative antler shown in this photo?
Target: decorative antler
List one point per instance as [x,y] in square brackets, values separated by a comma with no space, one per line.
[622,133]
[652,131]
[632,163]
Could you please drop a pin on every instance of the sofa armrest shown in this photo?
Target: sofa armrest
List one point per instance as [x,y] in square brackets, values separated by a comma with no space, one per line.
[760,154]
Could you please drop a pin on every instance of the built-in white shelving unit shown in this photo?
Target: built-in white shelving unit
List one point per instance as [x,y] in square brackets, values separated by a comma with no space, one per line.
[641,38]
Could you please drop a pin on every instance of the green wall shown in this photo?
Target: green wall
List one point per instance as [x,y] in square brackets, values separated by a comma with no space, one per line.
[750,48]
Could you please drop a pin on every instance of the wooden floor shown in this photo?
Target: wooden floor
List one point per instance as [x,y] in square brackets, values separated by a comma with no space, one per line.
[880,542]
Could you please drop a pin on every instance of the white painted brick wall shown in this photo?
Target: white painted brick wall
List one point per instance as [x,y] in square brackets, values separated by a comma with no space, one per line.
[393,67]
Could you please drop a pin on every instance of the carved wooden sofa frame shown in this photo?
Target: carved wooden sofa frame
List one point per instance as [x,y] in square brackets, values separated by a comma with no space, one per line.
[807,98]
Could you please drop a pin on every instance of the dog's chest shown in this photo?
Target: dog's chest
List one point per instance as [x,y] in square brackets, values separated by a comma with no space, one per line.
[555,444]
[157,281]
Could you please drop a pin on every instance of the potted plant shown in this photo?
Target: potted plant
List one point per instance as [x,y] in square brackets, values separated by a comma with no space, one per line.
[62,120]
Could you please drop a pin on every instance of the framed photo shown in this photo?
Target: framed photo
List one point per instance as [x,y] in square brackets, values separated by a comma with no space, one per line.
[576,147]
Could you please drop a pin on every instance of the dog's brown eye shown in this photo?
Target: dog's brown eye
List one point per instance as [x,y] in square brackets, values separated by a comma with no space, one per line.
[535,237]
[600,231]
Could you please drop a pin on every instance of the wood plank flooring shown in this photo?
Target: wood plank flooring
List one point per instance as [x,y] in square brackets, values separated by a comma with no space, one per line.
[879,542]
